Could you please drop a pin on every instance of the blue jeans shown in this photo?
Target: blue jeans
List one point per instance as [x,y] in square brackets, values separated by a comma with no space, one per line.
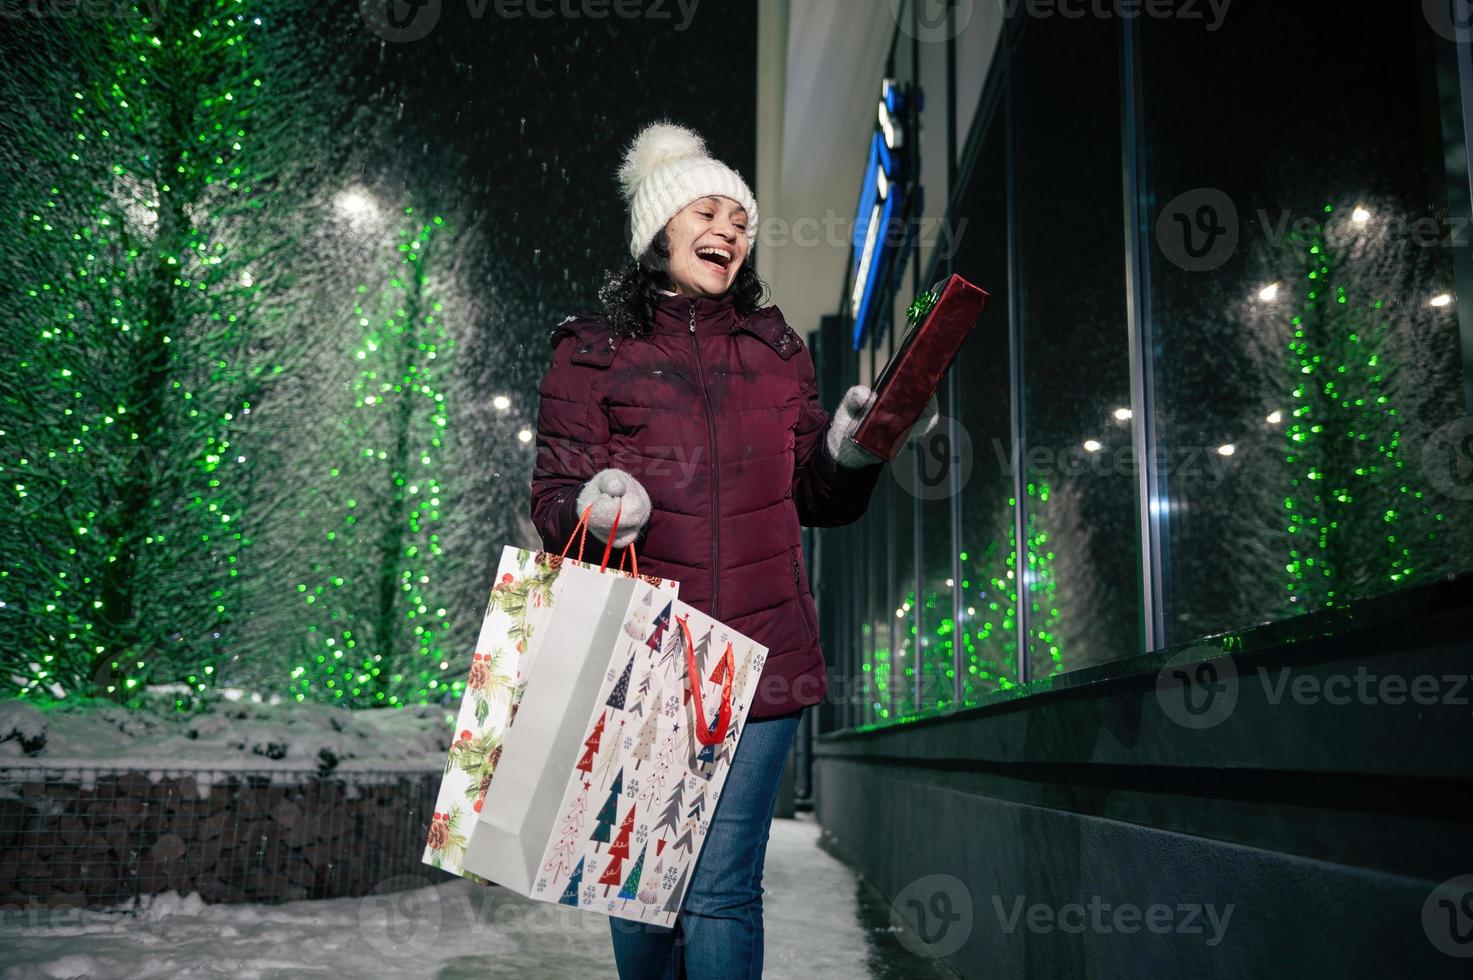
[718,932]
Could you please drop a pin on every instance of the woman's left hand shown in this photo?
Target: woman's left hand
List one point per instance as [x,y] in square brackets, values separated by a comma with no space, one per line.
[851,456]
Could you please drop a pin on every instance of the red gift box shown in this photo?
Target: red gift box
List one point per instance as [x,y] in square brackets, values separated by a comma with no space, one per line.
[915,370]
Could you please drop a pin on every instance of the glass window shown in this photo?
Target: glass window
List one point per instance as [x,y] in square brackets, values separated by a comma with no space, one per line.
[988,628]
[934,457]
[1301,294]
[1081,575]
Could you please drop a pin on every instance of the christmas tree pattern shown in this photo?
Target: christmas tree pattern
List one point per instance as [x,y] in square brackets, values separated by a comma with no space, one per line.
[663,761]
[568,843]
[658,628]
[570,893]
[590,745]
[728,746]
[670,815]
[609,813]
[631,883]
[698,805]
[612,751]
[618,851]
[684,842]
[672,905]
[636,627]
[645,740]
[739,683]
[642,693]
[647,894]
[703,648]
[719,674]
[621,689]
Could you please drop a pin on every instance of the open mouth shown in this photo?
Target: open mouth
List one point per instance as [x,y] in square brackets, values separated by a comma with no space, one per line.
[714,257]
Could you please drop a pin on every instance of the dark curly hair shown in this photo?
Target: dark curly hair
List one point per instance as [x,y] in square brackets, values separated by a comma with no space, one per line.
[630,295]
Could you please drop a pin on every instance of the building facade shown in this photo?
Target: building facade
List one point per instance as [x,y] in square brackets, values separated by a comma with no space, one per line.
[1170,619]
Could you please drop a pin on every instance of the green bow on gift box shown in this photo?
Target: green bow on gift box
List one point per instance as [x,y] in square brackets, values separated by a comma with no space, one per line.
[922,306]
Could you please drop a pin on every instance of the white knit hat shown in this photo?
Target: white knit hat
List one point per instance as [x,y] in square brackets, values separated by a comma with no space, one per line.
[664,170]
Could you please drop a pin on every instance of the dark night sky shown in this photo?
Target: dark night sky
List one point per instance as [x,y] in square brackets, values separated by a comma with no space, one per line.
[518,123]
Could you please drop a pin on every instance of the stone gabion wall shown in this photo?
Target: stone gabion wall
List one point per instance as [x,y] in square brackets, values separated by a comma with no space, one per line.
[97,839]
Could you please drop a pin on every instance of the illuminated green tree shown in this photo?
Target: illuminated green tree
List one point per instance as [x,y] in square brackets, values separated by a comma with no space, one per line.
[375,588]
[156,295]
[1357,520]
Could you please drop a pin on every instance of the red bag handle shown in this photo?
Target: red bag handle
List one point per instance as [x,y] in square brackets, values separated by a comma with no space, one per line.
[693,673]
[608,546]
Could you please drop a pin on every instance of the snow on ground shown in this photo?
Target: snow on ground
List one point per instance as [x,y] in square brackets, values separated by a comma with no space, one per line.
[233,736]
[451,931]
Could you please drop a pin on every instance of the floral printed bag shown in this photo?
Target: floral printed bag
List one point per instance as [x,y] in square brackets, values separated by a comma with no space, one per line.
[521,604]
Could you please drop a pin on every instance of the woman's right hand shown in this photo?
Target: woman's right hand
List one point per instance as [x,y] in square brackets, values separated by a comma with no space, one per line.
[610,492]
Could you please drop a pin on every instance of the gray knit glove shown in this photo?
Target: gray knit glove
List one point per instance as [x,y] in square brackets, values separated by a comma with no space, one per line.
[851,407]
[607,491]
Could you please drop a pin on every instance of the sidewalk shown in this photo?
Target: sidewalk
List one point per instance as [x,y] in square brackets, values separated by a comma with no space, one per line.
[815,917]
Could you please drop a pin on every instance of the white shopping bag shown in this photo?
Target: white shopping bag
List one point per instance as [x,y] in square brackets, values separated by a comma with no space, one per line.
[523,599]
[607,782]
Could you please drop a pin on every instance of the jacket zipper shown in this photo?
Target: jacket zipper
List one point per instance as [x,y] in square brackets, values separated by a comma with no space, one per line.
[710,428]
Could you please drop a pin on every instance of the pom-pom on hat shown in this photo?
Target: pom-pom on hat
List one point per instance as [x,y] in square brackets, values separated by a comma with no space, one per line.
[664,170]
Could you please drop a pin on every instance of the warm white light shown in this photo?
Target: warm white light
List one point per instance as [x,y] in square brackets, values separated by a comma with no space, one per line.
[1360,216]
[501,402]
[900,614]
[1442,299]
[1122,414]
[525,435]
[1092,445]
[950,584]
[971,611]
[1269,293]
[1275,417]
[354,203]
[1226,449]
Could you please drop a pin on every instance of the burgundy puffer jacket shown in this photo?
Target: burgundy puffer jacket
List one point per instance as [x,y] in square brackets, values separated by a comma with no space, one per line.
[718,417]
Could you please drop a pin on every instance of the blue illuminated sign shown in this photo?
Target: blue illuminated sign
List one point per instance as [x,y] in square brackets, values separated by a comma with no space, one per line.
[873,244]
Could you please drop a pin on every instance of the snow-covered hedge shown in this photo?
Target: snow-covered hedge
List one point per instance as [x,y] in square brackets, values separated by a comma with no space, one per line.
[232,736]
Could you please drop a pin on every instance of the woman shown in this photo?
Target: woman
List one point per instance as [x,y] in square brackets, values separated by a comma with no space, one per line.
[691,410]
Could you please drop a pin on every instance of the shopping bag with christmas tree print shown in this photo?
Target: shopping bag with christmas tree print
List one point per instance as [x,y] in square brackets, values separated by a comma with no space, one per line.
[605,791]
[523,597]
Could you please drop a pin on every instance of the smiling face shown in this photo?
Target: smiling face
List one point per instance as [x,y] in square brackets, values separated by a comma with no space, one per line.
[708,244]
